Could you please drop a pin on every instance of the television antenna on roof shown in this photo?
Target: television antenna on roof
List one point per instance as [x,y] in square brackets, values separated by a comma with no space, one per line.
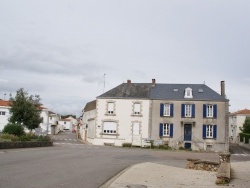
[104,82]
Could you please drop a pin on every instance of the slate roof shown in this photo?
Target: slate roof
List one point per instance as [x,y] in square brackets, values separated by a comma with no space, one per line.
[90,106]
[163,92]
[129,90]
[177,92]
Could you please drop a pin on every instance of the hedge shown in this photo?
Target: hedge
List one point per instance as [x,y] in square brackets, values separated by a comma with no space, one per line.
[246,136]
[23,144]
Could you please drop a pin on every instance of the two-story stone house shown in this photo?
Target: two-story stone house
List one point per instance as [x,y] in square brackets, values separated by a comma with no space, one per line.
[181,115]
[189,115]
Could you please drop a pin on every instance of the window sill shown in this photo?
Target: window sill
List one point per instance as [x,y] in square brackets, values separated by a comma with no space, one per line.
[109,134]
[166,137]
[110,114]
[209,138]
[136,115]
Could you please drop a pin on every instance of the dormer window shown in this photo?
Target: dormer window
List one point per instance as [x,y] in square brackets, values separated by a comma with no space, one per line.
[188,93]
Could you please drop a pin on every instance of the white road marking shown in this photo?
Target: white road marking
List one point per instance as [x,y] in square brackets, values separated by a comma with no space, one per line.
[245,155]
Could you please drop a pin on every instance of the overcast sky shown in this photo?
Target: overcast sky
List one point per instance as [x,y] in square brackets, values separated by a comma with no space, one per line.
[61,49]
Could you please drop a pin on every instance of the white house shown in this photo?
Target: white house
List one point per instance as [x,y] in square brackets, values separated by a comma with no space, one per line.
[53,123]
[49,119]
[121,116]
[74,123]
[87,122]
[4,113]
[66,124]
[236,120]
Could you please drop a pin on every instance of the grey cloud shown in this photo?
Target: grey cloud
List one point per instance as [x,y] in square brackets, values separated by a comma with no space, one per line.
[44,59]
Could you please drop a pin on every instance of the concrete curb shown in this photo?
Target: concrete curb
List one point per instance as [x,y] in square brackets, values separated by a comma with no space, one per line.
[111,180]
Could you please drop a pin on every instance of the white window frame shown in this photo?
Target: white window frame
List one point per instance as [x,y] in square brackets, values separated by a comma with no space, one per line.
[210,110]
[109,127]
[209,131]
[137,108]
[166,129]
[110,107]
[188,93]
[188,110]
[166,110]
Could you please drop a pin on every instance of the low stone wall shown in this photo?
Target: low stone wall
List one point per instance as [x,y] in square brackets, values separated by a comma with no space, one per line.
[224,172]
[198,164]
[223,168]
[24,144]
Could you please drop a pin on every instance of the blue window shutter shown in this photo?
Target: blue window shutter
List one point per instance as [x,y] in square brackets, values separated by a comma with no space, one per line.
[161,129]
[215,131]
[171,130]
[161,109]
[193,110]
[172,110]
[182,110]
[215,110]
[204,131]
[204,110]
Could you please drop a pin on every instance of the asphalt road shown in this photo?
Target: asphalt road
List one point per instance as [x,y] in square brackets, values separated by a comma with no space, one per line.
[70,163]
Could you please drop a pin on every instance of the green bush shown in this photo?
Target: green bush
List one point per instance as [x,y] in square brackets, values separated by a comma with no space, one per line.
[246,136]
[29,137]
[126,144]
[9,137]
[24,138]
[14,129]
[43,138]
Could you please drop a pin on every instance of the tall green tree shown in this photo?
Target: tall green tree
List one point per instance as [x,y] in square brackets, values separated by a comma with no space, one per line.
[25,109]
[246,126]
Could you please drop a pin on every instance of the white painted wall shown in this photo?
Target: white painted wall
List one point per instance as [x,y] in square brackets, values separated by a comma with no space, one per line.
[235,122]
[4,118]
[43,125]
[66,124]
[123,115]
[88,125]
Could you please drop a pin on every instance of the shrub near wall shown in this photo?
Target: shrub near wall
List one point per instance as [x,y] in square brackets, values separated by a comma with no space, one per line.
[246,136]
[8,141]
[24,144]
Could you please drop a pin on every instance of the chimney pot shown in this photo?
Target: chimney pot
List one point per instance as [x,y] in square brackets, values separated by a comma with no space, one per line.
[129,81]
[222,83]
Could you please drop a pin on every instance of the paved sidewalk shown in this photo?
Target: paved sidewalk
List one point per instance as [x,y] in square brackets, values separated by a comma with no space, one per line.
[152,175]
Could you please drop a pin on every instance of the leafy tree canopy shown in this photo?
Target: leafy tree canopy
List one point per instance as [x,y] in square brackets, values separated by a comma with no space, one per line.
[246,126]
[25,109]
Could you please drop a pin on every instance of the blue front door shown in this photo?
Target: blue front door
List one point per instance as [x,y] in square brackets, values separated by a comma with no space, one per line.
[187,132]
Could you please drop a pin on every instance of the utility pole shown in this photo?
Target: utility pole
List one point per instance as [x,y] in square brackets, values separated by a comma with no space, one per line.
[104,82]
[47,122]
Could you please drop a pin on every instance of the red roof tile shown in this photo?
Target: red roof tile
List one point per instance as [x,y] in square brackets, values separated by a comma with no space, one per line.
[239,112]
[4,103]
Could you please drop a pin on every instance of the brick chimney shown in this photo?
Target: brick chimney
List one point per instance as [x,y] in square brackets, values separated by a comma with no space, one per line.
[153,82]
[128,81]
[222,85]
